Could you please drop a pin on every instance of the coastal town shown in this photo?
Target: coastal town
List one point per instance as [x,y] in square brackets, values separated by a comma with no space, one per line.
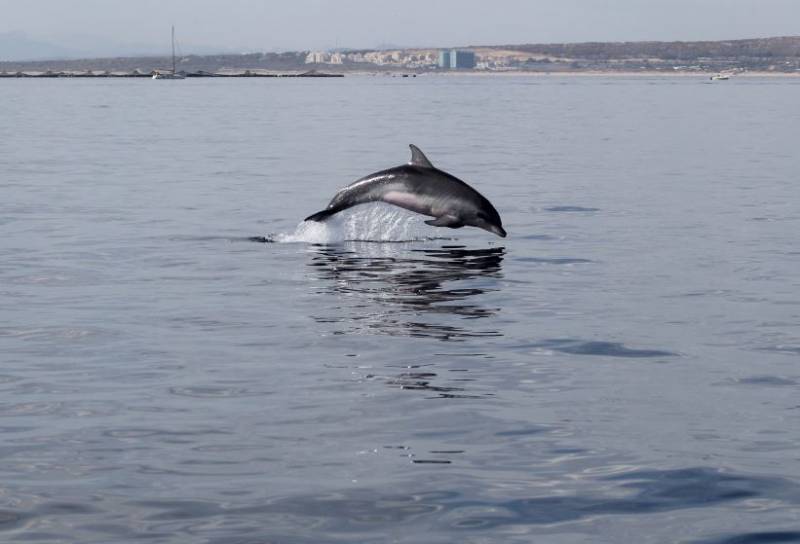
[779,55]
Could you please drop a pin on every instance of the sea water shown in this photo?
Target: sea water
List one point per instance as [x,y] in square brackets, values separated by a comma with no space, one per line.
[622,368]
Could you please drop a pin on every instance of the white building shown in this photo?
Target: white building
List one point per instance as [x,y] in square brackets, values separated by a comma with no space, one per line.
[317,57]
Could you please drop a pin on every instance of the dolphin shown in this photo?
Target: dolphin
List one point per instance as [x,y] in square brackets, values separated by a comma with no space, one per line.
[422,188]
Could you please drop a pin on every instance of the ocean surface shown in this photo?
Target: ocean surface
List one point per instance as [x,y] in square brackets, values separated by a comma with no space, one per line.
[181,360]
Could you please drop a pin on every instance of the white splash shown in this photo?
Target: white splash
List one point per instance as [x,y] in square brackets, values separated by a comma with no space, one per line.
[375,223]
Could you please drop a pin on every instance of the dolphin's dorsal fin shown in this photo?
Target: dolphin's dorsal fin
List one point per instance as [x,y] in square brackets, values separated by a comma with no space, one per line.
[418,158]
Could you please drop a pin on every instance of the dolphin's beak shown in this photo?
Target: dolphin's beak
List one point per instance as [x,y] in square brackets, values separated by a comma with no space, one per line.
[497,230]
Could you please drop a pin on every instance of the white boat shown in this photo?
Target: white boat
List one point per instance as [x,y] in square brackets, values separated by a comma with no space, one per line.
[173,74]
[720,77]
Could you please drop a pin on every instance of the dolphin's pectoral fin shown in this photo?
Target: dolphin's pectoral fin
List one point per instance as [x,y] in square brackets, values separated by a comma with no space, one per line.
[450,221]
[323,215]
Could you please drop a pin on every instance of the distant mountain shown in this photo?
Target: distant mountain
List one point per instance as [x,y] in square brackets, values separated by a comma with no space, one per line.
[781,54]
[18,46]
[759,48]
[188,63]
[389,47]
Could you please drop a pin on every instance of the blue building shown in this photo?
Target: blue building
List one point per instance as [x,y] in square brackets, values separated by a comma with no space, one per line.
[444,59]
[462,59]
[455,59]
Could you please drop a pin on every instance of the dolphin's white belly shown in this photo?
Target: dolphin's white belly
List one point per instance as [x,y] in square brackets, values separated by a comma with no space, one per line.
[410,201]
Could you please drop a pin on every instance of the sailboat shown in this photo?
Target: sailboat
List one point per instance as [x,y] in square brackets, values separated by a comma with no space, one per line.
[173,74]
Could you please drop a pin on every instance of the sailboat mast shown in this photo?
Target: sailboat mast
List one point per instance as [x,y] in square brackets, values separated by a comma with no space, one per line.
[173,49]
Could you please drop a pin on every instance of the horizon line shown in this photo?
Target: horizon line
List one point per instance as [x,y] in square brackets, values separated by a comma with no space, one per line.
[510,46]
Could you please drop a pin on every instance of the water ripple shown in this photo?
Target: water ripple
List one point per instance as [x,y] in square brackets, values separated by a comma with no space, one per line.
[212,391]
[764,537]
[654,491]
[571,209]
[10,519]
[766,380]
[595,347]
[631,492]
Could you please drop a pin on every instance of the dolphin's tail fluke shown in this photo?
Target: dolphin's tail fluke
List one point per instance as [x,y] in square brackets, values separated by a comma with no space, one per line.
[321,216]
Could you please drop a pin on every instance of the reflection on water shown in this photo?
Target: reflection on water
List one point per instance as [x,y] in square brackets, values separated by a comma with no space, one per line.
[450,515]
[393,290]
[414,378]
[637,492]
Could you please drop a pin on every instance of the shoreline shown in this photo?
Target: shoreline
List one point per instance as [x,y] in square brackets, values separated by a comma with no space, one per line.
[119,74]
[260,73]
[592,73]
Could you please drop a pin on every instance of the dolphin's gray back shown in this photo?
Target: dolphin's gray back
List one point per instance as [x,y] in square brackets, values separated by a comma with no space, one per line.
[428,191]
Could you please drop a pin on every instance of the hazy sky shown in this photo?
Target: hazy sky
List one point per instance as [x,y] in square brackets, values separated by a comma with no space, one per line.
[304,24]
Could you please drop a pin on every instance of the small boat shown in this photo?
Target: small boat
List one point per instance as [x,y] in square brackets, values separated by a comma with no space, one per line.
[720,77]
[173,74]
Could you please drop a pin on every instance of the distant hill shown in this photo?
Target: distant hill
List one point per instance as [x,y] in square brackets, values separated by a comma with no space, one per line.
[19,46]
[188,63]
[787,46]
[781,54]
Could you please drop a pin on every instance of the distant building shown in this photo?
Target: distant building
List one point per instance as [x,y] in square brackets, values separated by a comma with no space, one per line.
[317,57]
[455,59]
[462,59]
